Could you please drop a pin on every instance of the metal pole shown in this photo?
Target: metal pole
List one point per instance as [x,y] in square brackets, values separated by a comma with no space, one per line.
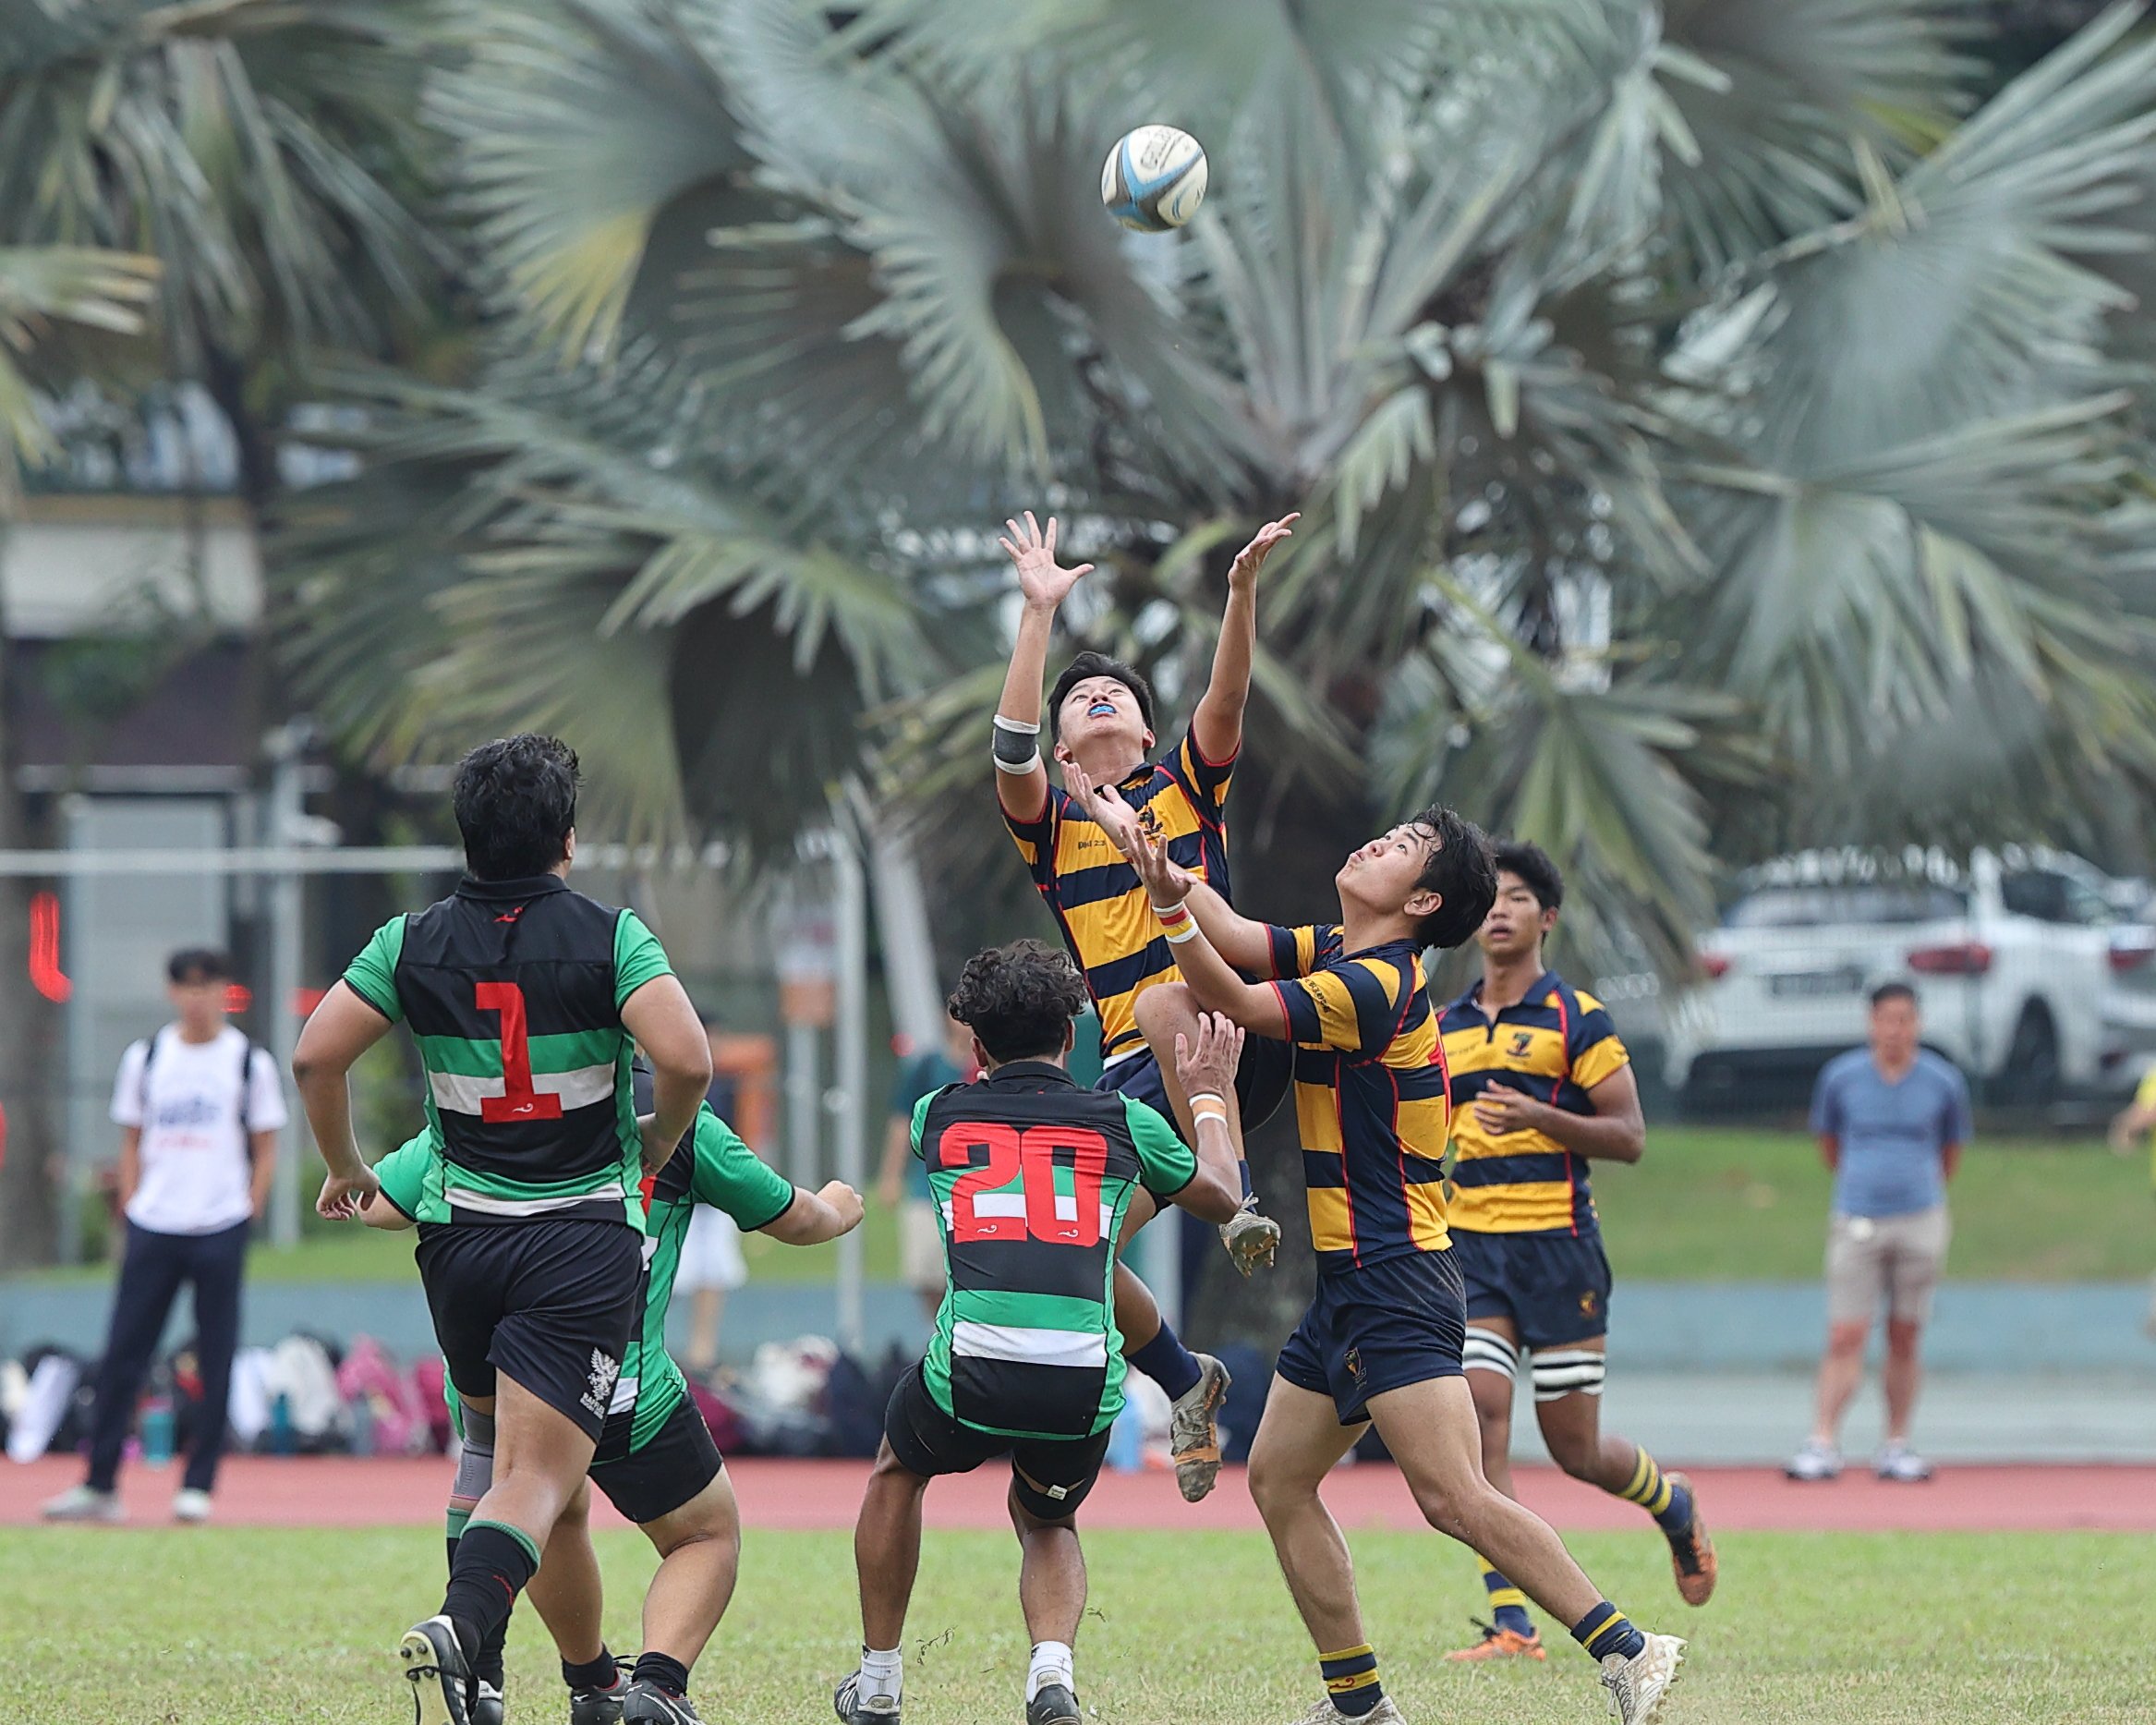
[802,1089]
[849,1094]
[78,1107]
[902,921]
[287,910]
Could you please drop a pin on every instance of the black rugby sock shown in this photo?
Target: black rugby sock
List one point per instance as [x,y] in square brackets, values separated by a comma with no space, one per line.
[598,1674]
[665,1671]
[494,1561]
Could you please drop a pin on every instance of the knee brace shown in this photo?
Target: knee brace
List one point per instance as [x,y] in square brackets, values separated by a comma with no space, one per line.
[475,1461]
[1485,1350]
[1560,1372]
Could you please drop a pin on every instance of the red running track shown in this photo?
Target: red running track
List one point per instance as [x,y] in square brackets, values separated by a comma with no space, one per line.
[340,1492]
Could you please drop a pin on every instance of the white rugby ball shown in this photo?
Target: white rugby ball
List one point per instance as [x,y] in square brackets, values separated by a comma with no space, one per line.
[1154,179]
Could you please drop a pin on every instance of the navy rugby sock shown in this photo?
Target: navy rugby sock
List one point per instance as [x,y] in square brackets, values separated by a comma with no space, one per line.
[1165,1360]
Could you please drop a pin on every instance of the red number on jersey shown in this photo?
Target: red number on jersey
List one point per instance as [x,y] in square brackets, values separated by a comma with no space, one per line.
[519,1100]
[1033,1214]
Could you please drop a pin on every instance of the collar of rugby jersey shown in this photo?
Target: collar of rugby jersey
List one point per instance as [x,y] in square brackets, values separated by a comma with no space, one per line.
[1029,1073]
[1539,991]
[510,891]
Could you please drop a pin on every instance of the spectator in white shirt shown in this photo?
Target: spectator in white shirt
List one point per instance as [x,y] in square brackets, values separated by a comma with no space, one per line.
[198,1109]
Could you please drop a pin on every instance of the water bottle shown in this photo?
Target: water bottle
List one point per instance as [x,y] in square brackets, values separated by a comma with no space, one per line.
[157,1432]
[282,1441]
[1126,1441]
[362,1425]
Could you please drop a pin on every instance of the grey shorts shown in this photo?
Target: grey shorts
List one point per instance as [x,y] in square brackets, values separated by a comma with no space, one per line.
[1896,1257]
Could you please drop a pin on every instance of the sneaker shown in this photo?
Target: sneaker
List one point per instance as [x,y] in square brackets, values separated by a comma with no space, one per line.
[1499,1644]
[1385,1713]
[1637,1686]
[647,1702]
[1902,1464]
[1250,1239]
[80,1504]
[434,1665]
[190,1505]
[1814,1460]
[1691,1553]
[487,1706]
[1053,1705]
[855,1709]
[600,1706]
[1193,1435]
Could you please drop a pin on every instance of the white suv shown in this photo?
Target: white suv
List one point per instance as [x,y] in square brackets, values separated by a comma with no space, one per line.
[2029,979]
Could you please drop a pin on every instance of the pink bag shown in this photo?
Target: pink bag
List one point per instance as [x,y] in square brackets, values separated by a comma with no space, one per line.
[394,1400]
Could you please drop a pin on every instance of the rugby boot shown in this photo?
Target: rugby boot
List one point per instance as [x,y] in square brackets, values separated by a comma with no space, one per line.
[600,1706]
[434,1665]
[1638,1686]
[1691,1553]
[1193,1433]
[647,1702]
[1499,1644]
[855,1709]
[1250,1239]
[1054,1705]
[488,1707]
[1385,1713]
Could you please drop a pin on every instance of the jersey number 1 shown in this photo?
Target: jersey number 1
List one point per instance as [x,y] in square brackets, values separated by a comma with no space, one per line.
[518,1099]
[981,1210]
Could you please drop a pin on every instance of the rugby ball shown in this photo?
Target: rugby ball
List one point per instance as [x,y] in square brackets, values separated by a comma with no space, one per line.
[1154,179]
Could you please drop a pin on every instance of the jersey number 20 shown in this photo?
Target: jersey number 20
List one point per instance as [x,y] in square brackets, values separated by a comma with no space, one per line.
[518,1101]
[981,1209]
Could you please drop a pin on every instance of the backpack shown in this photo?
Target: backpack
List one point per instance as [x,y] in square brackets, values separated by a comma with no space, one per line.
[247,1081]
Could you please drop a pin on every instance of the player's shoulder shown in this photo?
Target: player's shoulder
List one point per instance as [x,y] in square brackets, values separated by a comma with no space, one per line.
[1849,1064]
[1940,1068]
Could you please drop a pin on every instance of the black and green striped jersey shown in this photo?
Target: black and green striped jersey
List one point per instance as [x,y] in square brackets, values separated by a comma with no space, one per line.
[722,1171]
[514,993]
[1032,1176]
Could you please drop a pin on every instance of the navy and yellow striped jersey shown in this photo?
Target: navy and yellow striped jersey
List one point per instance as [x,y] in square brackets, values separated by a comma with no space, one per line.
[1095,894]
[1556,1045]
[1371,1097]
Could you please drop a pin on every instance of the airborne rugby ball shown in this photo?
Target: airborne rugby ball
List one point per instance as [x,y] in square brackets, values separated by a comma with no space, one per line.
[1154,179]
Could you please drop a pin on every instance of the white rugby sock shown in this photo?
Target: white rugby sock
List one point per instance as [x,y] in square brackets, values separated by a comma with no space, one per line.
[882,1674]
[1051,1664]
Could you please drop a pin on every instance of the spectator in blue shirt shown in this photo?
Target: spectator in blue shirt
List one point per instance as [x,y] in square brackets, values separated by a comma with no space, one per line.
[1891,1120]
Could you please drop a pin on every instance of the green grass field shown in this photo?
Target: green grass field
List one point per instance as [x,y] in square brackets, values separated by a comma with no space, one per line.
[1707,1203]
[249,1626]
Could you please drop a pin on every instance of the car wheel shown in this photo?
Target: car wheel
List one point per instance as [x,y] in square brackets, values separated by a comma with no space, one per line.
[2030,1076]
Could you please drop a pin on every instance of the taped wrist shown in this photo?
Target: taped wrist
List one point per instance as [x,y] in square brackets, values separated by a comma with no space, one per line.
[1017,745]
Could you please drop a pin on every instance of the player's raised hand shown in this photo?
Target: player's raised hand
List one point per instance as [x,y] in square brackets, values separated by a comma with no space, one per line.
[1165,884]
[343,1199]
[1032,552]
[1209,1067]
[1244,571]
[1102,803]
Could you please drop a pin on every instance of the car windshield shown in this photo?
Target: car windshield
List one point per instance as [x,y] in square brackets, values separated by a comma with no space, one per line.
[1836,906]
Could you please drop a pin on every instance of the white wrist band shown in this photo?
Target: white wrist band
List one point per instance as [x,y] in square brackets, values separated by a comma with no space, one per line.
[1208,1096]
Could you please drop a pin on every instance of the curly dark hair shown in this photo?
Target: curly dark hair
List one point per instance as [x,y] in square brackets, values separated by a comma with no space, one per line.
[1019,1000]
[1091,665]
[1460,871]
[1537,871]
[515,800]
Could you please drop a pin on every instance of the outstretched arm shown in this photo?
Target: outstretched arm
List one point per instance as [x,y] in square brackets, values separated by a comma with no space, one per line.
[1217,723]
[1021,780]
[1211,980]
[814,1217]
[1243,943]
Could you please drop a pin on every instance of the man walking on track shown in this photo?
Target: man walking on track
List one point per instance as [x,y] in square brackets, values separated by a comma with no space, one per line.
[198,1109]
[1040,1182]
[525,998]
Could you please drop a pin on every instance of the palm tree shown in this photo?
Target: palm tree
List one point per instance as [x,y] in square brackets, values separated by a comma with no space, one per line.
[233,178]
[1713,437]
[1718,428]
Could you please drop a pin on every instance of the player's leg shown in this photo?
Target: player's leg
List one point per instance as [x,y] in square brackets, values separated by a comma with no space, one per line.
[1431,1428]
[536,1314]
[1049,1482]
[1300,1440]
[1855,1281]
[1918,1251]
[1196,1383]
[218,1265]
[920,1441]
[151,1268]
[1163,1014]
[570,1599]
[1568,1406]
[1491,1356]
